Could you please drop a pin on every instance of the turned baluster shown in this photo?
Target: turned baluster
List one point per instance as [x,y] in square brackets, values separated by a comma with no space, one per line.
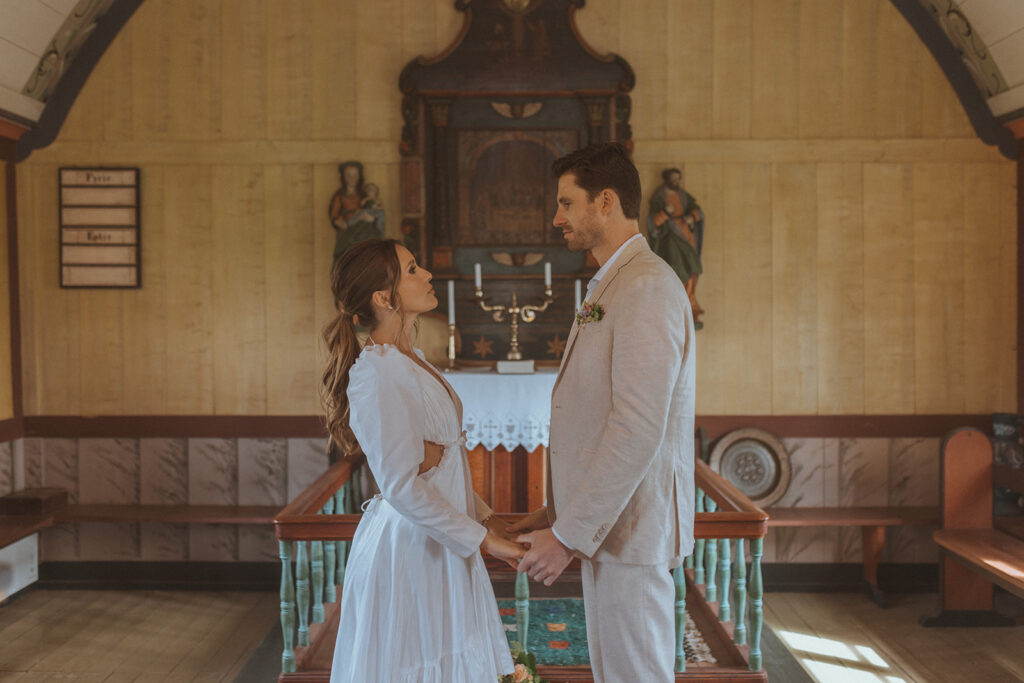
[698,545]
[317,564]
[330,560]
[679,578]
[341,548]
[287,608]
[523,608]
[710,560]
[739,633]
[756,595]
[302,591]
[724,570]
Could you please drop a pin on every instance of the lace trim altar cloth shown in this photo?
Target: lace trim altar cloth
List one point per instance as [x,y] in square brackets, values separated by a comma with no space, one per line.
[505,410]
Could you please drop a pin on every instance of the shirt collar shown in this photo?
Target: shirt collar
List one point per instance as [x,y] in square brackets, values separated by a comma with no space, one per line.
[603,270]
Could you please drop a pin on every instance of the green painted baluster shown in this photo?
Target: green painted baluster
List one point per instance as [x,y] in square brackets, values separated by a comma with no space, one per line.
[287,608]
[330,559]
[698,545]
[679,577]
[523,608]
[756,595]
[739,632]
[724,567]
[710,560]
[357,489]
[317,563]
[302,591]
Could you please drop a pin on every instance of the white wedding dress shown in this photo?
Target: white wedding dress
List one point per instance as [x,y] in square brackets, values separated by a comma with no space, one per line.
[417,604]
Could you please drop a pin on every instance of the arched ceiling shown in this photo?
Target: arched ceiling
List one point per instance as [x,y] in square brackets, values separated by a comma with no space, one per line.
[49,47]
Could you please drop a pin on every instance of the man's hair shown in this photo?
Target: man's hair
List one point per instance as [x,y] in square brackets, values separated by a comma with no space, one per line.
[667,173]
[604,166]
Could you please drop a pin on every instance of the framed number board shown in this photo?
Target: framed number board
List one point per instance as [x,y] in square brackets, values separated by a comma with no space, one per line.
[99,228]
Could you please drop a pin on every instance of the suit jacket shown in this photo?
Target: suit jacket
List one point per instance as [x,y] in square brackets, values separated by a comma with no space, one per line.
[620,484]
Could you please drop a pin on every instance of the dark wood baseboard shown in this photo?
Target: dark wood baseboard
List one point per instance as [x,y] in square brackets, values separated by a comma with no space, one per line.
[220,576]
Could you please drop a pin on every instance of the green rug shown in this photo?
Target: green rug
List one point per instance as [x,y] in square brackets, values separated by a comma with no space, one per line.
[557,633]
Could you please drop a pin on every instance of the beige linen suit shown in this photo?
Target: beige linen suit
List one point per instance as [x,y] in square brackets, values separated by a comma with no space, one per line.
[621,489]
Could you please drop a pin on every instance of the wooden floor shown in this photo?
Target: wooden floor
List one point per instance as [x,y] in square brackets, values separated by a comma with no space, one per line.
[176,636]
[131,636]
[844,637]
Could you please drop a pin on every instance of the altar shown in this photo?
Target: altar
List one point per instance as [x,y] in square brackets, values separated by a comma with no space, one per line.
[507,420]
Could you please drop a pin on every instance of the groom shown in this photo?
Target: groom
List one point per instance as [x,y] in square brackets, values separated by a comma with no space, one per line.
[621,489]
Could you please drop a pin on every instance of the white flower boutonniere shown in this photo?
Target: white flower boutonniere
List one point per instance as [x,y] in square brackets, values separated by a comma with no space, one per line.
[589,313]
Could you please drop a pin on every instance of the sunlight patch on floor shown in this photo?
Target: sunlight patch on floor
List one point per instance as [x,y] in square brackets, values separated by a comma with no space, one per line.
[865,664]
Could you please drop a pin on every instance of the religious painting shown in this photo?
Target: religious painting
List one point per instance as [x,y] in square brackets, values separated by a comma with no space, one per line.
[675,230]
[356,211]
[505,192]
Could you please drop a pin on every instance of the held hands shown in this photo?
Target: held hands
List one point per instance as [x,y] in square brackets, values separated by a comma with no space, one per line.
[538,519]
[546,558]
[503,549]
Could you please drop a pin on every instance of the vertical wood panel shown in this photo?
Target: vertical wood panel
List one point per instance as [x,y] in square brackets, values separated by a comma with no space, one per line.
[643,33]
[151,100]
[689,80]
[333,54]
[731,68]
[989,323]
[377,106]
[292,371]
[939,288]
[840,281]
[194,82]
[897,82]
[289,81]
[945,115]
[776,85]
[101,351]
[145,310]
[325,183]
[599,25]
[28,264]
[746,311]
[244,69]
[820,59]
[6,384]
[239,291]
[794,233]
[448,24]
[188,263]
[705,182]
[858,70]
[889,369]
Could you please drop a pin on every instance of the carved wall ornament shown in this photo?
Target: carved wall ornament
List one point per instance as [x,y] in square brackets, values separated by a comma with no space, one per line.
[73,33]
[517,110]
[973,52]
[755,462]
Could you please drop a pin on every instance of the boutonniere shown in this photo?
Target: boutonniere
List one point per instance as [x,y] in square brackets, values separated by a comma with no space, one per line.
[589,313]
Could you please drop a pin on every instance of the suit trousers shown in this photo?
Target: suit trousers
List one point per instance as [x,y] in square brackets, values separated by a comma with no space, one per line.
[630,610]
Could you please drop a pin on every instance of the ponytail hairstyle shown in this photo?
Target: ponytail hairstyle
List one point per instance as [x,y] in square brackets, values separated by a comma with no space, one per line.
[364,268]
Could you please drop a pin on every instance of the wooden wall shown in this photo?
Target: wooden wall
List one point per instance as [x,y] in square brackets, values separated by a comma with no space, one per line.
[860,244]
[6,383]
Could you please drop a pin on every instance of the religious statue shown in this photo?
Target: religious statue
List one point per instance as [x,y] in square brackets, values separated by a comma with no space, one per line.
[675,230]
[356,211]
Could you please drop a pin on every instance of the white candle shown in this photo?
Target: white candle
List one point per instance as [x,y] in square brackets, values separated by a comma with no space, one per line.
[547,273]
[476,276]
[578,290]
[451,302]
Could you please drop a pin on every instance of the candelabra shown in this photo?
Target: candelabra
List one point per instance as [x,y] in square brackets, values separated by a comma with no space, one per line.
[514,312]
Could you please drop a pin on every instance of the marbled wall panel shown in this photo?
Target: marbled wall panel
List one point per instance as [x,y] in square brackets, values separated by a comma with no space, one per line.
[257,543]
[863,481]
[914,474]
[213,480]
[163,466]
[6,468]
[307,460]
[32,452]
[60,465]
[806,489]
[262,471]
[108,470]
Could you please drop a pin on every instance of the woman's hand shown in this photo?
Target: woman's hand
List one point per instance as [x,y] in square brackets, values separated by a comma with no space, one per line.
[503,549]
[538,519]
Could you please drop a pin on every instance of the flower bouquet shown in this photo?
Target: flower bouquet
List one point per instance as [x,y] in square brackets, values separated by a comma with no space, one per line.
[526,667]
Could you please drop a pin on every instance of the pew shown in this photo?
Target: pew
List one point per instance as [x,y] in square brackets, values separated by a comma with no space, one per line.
[977,552]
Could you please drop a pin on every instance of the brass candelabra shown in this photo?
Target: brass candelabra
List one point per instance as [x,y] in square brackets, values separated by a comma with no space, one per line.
[514,312]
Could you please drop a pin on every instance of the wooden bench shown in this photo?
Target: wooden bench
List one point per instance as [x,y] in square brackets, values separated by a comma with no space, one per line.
[872,522]
[977,552]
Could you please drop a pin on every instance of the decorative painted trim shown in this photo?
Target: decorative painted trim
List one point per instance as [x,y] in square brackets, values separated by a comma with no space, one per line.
[973,52]
[63,96]
[952,62]
[11,130]
[312,426]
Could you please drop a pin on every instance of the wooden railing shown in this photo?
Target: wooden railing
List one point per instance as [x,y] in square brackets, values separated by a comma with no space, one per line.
[320,524]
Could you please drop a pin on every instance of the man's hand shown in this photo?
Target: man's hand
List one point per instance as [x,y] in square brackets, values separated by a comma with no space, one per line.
[538,519]
[503,549]
[546,558]
[499,527]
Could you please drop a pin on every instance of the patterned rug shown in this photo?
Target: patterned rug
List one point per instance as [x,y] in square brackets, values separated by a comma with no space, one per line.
[558,632]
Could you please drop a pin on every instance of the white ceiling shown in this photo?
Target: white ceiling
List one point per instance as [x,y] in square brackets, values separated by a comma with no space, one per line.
[29,27]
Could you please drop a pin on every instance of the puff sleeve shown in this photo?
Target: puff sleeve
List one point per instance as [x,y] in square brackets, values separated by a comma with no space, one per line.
[387,418]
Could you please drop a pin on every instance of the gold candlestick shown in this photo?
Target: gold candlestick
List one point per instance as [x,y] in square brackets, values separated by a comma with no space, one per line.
[514,312]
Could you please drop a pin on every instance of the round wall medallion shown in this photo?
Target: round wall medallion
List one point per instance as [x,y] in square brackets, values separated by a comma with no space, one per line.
[755,462]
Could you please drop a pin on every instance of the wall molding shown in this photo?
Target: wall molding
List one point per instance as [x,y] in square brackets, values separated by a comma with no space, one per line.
[312,426]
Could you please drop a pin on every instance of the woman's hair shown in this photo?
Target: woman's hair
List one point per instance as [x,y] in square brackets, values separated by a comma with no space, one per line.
[363,269]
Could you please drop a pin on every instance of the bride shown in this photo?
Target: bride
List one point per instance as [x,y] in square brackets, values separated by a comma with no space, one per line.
[417,605]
